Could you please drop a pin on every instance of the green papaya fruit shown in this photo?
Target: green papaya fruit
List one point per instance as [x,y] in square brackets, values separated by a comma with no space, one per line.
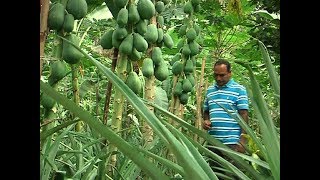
[120,3]
[184,98]
[188,68]
[58,70]
[120,33]
[115,41]
[168,42]
[197,28]
[194,48]
[191,34]
[142,27]
[156,55]
[182,30]
[68,23]
[106,39]
[152,34]
[186,50]
[177,68]
[135,55]
[190,77]
[78,8]
[56,16]
[181,44]
[70,54]
[146,9]
[122,18]
[133,16]
[147,67]
[187,8]
[186,85]
[46,101]
[139,42]
[126,45]
[133,82]
[159,6]
[161,71]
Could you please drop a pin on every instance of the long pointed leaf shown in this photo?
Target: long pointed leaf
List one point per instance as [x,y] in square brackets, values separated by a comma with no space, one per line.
[125,147]
[269,133]
[193,154]
[209,138]
[274,77]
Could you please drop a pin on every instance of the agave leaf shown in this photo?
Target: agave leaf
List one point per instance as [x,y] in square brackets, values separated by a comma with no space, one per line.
[45,134]
[192,151]
[274,77]
[51,152]
[270,138]
[129,170]
[164,161]
[124,146]
[209,138]
[221,160]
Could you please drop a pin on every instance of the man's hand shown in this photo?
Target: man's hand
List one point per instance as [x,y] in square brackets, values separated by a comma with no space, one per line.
[242,142]
[206,124]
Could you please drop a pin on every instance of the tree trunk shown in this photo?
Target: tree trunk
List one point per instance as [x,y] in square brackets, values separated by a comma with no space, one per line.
[150,96]
[121,71]
[43,29]
[199,90]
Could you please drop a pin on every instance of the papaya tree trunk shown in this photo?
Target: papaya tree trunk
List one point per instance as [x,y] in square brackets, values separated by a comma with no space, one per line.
[173,98]
[199,90]
[43,29]
[75,89]
[121,71]
[150,96]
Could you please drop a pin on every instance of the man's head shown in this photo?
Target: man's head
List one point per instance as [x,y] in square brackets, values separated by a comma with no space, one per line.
[222,72]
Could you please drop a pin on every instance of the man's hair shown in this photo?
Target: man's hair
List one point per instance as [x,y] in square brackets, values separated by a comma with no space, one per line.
[225,62]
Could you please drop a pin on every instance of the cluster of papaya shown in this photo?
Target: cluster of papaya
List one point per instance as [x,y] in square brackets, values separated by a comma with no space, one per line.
[58,71]
[184,62]
[134,34]
[61,18]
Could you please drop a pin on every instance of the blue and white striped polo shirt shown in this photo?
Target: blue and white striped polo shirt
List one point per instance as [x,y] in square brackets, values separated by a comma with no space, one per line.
[231,96]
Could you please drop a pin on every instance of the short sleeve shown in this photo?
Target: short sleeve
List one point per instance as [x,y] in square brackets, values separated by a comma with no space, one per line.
[242,102]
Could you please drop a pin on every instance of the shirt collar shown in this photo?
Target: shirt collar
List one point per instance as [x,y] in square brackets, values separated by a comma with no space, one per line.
[226,85]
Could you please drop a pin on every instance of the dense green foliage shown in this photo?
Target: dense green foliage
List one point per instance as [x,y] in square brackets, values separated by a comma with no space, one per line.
[216,30]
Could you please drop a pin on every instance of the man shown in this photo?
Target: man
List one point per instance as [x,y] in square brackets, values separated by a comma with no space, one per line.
[232,96]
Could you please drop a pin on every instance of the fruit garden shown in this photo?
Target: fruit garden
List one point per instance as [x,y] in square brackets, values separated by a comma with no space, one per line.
[123,81]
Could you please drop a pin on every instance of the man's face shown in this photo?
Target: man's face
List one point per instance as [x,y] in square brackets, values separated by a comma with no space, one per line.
[221,75]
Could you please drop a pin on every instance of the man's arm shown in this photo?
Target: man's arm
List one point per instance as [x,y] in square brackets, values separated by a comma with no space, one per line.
[206,120]
[244,114]
[243,139]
